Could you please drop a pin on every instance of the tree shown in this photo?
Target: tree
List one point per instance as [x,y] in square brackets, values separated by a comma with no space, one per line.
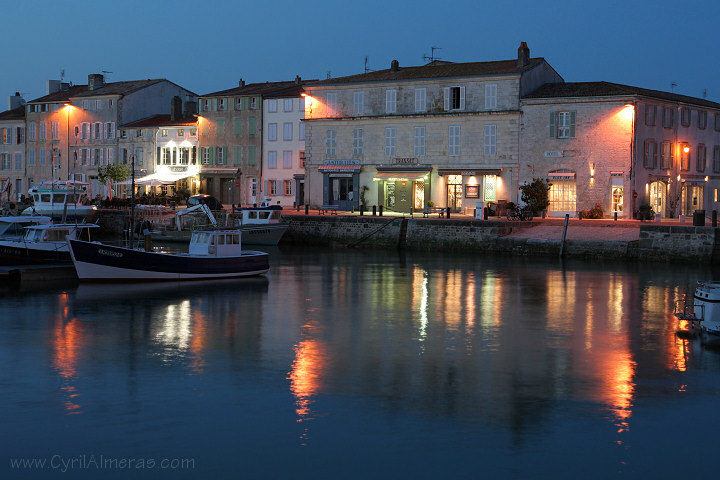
[113,172]
[535,195]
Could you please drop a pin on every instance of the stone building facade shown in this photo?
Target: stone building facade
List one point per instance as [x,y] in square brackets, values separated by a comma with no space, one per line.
[12,150]
[624,148]
[445,133]
[230,140]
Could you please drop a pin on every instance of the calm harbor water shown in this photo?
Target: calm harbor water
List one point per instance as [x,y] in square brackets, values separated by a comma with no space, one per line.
[357,364]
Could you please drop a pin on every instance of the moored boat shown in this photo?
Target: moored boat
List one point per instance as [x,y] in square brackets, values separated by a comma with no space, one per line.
[13,228]
[43,244]
[60,200]
[704,308]
[215,253]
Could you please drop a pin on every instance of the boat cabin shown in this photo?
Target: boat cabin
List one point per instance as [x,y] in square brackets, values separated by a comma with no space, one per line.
[258,216]
[219,243]
[57,232]
[13,228]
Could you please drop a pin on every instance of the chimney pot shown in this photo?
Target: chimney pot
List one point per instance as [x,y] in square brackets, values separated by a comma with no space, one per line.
[241,83]
[297,79]
[394,66]
[95,81]
[523,55]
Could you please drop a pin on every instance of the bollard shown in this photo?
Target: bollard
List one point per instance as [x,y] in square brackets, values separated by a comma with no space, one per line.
[486,213]
[298,207]
[380,210]
[362,209]
[474,212]
[615,215]
[307,209]
[374,210]
[447,212]
[714,218]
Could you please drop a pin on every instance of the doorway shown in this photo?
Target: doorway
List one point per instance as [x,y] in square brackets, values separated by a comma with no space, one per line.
[658,192]
[454,192]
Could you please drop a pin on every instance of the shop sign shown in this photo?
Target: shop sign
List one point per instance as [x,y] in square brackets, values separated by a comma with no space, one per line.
[553,153]
[341,162]
[467,173]
[405,161]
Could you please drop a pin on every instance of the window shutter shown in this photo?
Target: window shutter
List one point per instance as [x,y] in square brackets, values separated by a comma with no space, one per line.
[238,126]
[551,125]
[462,98]
[572,124]
[446,92]
[212,156]
[655,155]
[237,156]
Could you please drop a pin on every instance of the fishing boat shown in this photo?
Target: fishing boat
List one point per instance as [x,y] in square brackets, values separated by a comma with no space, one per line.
[60,200]
[42,244]
[12,228]
[261,225]
[703,310]
[213,253]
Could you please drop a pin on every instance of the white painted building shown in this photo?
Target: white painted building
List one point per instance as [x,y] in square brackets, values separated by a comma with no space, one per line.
[283,168]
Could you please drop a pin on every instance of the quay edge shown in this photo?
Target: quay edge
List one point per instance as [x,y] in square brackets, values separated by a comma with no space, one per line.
[649,242]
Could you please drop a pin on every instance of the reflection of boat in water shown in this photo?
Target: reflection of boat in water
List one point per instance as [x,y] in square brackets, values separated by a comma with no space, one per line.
[212,254]
[157,292]
[703,310]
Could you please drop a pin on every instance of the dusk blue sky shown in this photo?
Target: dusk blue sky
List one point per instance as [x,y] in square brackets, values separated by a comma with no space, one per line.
[208,46]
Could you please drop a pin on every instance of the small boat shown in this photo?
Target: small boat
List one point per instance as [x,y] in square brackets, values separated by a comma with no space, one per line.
[13,228]
[261,225]
[703,309]
[213,253]
[43,244]
[60,200]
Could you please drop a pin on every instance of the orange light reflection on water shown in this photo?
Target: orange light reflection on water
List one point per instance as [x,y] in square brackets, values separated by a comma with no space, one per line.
[67,342]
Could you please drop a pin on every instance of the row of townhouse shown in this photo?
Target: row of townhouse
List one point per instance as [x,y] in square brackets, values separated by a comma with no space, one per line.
[449,133]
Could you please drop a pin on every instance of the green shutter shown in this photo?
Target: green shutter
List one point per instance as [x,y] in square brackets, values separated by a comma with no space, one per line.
[551,125]
[237,156]
[221,126]
[251,126]
[212,155]
[572,124]
[238,126]
[251,155]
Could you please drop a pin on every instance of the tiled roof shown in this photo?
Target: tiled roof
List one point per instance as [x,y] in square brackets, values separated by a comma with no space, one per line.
[437,70]
[119,88]
[607,89]
[162,121]
[266,88]
[62,95]
[14,114]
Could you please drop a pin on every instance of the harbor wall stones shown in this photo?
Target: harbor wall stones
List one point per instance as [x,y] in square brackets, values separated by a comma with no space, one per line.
[656,242]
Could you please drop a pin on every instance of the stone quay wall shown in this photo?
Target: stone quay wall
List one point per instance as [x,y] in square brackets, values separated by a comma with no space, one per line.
[656,242]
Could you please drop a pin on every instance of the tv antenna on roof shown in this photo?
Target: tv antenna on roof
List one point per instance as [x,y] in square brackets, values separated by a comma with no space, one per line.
[672,86]
[704,92]
[366,65]
[432,56]
[105,73]
[62,75]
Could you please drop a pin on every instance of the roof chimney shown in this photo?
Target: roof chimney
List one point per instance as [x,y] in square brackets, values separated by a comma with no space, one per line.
[95,81]
[175,108]
[52,86]
[241,83]
[298,79]
[523,55]
[394,66]
[15,101]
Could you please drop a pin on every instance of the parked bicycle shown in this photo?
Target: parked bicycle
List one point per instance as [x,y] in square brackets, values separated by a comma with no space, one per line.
[517,213]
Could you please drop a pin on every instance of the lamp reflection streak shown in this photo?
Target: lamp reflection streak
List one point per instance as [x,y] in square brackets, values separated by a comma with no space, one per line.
[305,378]
[67,341]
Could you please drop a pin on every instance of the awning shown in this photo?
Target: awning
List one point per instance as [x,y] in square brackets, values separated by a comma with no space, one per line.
[339,168]
[401,175]
[167,178]
[561,175]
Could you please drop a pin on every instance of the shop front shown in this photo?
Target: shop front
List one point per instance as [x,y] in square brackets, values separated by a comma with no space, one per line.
[221,182]
[465,188]
[403,190]
[341,182]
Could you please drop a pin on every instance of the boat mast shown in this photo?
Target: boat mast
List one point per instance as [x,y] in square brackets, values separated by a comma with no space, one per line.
[132,198]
